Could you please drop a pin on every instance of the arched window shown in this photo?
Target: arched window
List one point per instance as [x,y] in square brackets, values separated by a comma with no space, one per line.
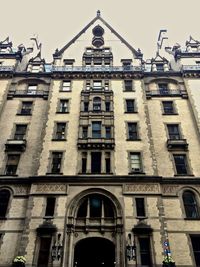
[96,104]
[190,205]
[96,206]
[4,200]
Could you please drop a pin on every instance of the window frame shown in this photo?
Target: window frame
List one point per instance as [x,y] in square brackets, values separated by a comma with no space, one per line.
[29,113]
[6,165]
[20,134]
[134,132]
[141,167]
[4,216]
[126,105]
[59,108]
[187,206]
[66,88]
[174,135]
[57,132]
[128,85]
[137,207]
[51,162]
[187,167]
[98,132]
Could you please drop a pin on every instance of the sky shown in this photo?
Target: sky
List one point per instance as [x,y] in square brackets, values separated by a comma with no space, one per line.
[56,22]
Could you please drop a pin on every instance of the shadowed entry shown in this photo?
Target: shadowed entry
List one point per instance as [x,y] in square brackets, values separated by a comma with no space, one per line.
[94,252]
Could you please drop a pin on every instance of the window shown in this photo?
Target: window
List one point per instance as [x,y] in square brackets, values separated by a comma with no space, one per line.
[97,61]
[44,251]
[190,205]
[168,107]
[87,85]
[106,85]
[96,129]
[60,131]
[84,162]
[128,85]
[160,67]
[135,162]
[181,164]
[95,162]
[97,85]
[132,131]
[145,251]
[163,88]
[195,239]
[108,132]
[32,89]
[107,105]
[20,131]
[50,206]
[107,162]
[26,108]
[35,68]
[140,208]
[4,201]
[173,131]
[56,162]
[63,106]
[130,107]
[12,163]
[66,86]
[85,132]
[86,106]
[97,104]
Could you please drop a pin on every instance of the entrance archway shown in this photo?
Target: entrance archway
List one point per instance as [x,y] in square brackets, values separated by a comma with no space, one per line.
[94,252]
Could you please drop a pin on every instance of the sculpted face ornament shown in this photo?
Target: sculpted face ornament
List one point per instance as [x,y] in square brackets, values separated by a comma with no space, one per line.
[98,39]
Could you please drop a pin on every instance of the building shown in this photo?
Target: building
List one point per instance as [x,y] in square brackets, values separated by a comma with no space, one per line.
[100,153]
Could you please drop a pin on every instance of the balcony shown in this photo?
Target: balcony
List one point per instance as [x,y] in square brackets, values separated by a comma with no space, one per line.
[96,69]
[96,143]
[166,93]
[177,144]
[15,145]
[24,93]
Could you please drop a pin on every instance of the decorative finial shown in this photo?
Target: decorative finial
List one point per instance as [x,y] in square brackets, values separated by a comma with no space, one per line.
[98,13]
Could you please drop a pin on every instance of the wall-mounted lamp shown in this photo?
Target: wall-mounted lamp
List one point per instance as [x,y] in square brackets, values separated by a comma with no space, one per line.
[130,248]
[56,252]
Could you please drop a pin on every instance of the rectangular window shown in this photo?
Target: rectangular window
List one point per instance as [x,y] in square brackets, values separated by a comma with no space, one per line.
[195,239]
[32,89]
[66,86]
[140,208]
[60,131]
[85,132]
[180,161]
[163,88]
[96,162]
[173,131]
[97,85]
[108,132]
[145,251]
[56,162]
[107,162]
[63,106]
[106,85]
[26,108]
[84,162]
[135,162]
[97,61]
[50,206]
[168,107]
[132,131]
[88,85]
[160,67]
[107,105]
[44,251]
[20,131]
[96,129]
[12,163]
[128,85]
[130,107]
[85,106]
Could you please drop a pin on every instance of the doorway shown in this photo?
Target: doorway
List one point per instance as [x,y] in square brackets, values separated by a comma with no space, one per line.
[94,252]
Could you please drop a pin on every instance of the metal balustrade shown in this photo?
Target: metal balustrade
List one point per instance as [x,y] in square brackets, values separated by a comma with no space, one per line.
[96,68]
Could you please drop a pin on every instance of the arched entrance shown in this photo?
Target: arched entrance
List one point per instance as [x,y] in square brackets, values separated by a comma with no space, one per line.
[94,252]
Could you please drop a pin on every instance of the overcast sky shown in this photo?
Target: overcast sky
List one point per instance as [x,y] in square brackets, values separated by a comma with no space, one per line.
[58,21]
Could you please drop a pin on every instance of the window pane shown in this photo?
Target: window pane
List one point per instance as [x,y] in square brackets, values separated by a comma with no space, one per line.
[26,108]
[56,162]
[145,252]
[4,200]
[60,131]
[66,86]
[128,85]
[196,248]
[20,132]
[140,207]
[132,131]
[12,163]
[173,130]
[168,107]
[50,206]
[96,129]
[129,105]
[190,204]
[63,107]
[180,163]
[135,162]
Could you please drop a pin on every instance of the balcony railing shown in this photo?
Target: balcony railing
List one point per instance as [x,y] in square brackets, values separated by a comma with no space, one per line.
[6,68]
[96,69]
[25,93]
[161,93]
[191,67]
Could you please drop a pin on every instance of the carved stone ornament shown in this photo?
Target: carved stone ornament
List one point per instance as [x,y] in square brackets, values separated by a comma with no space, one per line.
[141,188]
[49,188]
[170,189]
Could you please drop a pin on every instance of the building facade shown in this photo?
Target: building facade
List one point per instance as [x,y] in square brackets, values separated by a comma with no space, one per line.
[100,153]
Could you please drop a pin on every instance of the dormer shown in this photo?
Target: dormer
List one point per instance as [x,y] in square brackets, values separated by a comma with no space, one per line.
[8,53]
[36,65]
[192,45]
[159,64]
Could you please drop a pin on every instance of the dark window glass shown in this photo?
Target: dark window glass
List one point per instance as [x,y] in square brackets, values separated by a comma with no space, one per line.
[60,131]
[95,206]
[56,162]
[145,251]
[173,130]
[132,131]
[140,208]
[84,162]
[50,206]
[135,162]
[97,104]
[86,106]
[43,258]
[107,160]
[84,132]
[63,107]
[130,105]
[26,108]
[82,211]
[128,84]
[180,163]
[20,132]
[96,162]
[96,129]
[163,88]
[196,248]
[190,205]
[160,67]
[168,107]
[4,200]
[12,163]
[108,132]
[107,104]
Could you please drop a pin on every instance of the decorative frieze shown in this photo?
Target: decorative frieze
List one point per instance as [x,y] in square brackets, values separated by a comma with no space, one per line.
[141,188]
[49,188]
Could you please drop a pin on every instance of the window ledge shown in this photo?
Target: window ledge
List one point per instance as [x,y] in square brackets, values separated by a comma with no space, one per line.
[128,91]
[133,140]
[131,112]
[60,112]
[65,91]
[59,140]
[21,114]
[141,217]
[48,217]
[139,172]
[52,173]
[192,219]
[182,175]
[169,114]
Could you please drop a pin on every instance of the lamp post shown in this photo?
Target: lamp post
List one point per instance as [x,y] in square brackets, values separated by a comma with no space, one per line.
[56,252]
[130,249]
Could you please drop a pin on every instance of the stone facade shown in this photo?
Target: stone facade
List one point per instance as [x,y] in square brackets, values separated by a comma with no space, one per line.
[99,159]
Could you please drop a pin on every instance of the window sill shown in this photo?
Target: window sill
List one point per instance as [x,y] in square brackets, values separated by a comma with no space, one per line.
[141,217]
[60,112]
[58,140]
[133,140]
[139,172]
[182,175]
[53,173]
[21,114]
[65,91]
[48,217]
[192,219]
[128,91]
[169,114]
[131,112]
